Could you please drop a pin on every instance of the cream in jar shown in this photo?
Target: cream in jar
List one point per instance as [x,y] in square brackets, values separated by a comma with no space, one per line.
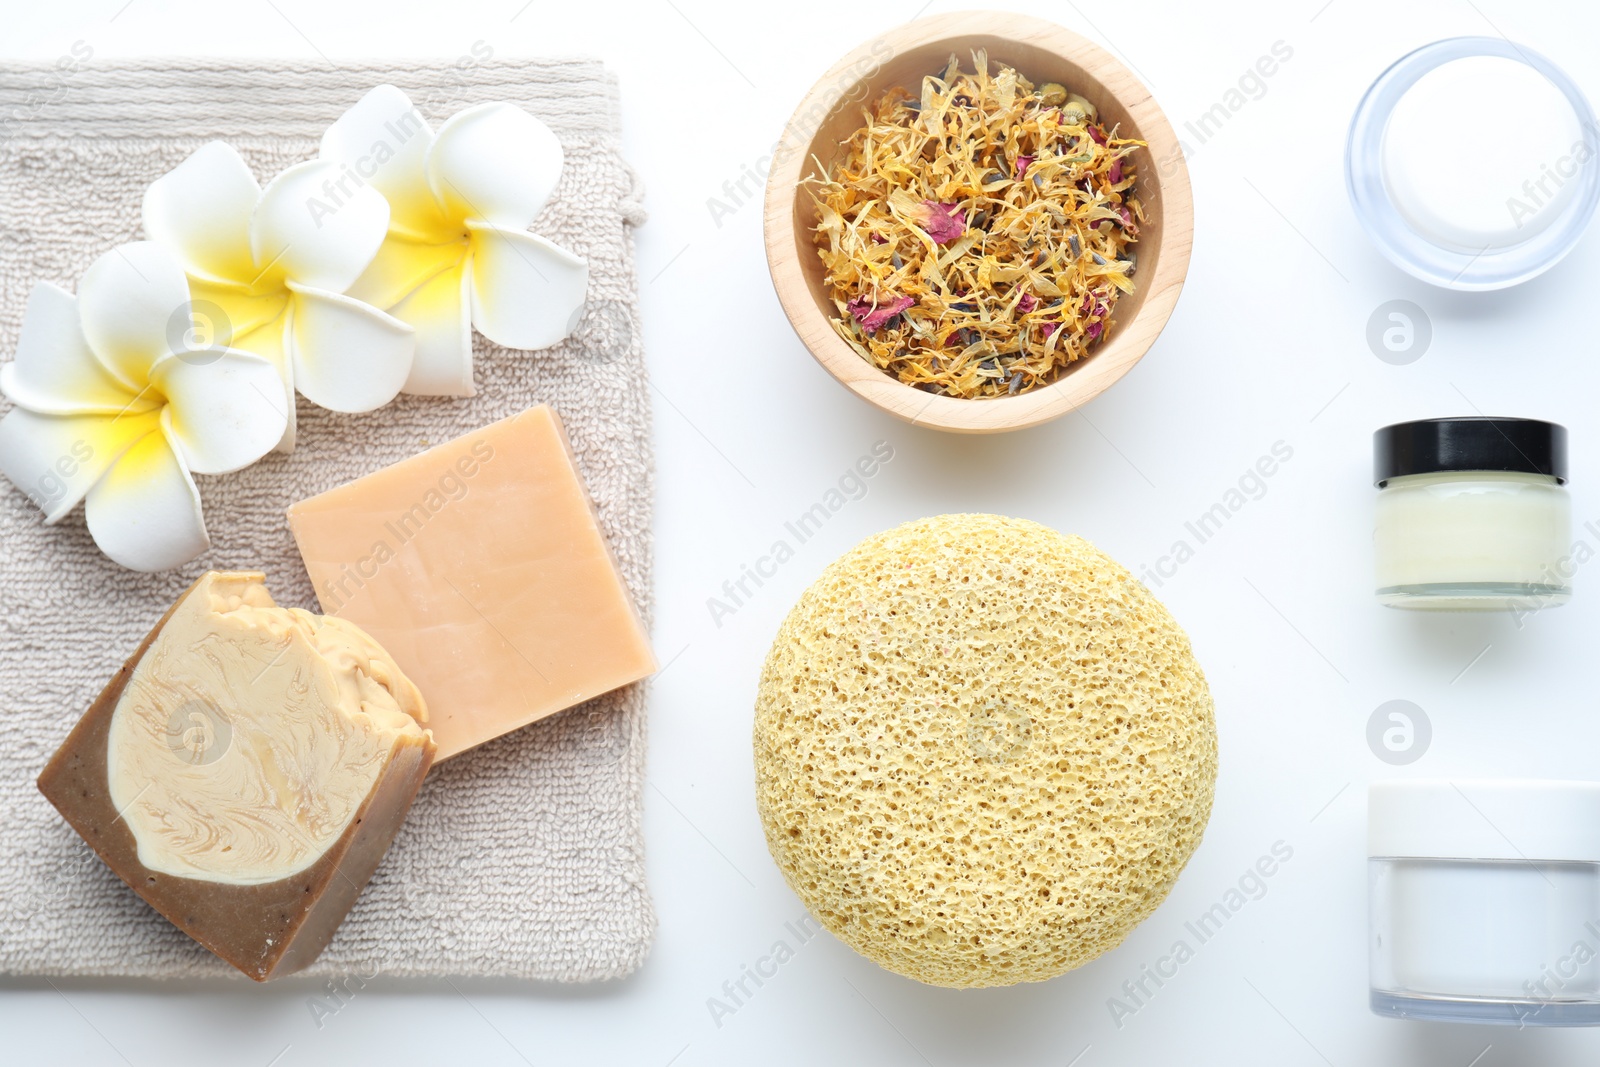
[1484,901]
[1434,192]
[1472,514]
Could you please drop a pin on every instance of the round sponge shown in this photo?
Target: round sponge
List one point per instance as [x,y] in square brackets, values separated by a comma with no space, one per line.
[984,752]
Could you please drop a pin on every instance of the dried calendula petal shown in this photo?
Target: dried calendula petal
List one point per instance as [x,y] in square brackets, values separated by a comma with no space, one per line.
[977,235]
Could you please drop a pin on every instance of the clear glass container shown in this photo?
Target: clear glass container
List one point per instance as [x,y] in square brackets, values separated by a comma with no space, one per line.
[1484,901]
[1490,941]
[1545,217]
[1473,540]
[1472,514]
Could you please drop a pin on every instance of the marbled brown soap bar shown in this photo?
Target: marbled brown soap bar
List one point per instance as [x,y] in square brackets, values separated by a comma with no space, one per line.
[266,929]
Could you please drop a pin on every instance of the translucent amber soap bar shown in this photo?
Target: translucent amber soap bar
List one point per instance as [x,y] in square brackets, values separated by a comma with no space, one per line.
[481,566]
[245,771]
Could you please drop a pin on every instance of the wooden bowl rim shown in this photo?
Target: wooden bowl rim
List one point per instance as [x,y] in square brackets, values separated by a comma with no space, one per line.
[1095,374]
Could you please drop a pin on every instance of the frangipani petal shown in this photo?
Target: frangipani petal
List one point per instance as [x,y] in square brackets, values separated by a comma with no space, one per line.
[201,210]
[385,140]
[54,372]
[221,312]
[270,342]
[526,291]
[131,301]
[56,459]
[291,433]
[225,408]
[145,513]
[317,225]
[495,163]
[347,356]
[402,265]
[440,311]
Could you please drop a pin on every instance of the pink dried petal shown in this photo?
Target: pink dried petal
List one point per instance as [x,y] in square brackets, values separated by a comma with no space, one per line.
[879,239]
[1026,303]
[1094,331]
[1114,175]
[945,221]
[1051,327]
[1023,163]
[872,318]
[1098,136]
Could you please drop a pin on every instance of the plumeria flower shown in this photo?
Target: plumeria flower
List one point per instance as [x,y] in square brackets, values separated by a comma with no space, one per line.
[112,407]
[458,253]
[267,269]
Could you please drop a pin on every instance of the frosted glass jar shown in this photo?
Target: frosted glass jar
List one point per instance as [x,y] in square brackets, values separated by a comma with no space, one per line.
[1416,174]
[1484,901]
[1472,514]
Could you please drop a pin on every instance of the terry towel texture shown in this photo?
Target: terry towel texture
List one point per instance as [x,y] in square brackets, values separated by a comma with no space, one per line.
[522,858]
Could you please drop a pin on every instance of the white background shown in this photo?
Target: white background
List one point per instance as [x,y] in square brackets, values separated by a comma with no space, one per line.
[1267,345]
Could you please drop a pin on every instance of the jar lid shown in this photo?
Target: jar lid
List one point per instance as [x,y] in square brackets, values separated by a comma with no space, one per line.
[1470,443]
[1506,819]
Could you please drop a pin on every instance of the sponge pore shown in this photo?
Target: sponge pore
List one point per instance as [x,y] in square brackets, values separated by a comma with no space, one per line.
[983,751]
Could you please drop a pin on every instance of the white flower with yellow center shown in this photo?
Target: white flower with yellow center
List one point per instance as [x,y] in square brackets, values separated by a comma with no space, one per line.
[267,269]
[458,252]
[113,406]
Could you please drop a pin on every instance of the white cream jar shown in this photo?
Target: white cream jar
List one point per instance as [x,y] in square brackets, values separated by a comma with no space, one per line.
[1471,163]
[1484,901]
[1472,515]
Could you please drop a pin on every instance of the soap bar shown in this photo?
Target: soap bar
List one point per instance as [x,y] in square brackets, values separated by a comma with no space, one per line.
[245,771]
[481,566]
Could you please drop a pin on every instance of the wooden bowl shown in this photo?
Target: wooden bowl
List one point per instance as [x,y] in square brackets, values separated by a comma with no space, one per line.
[1041,52]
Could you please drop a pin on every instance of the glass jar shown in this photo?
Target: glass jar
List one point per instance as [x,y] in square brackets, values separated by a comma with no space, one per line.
[1414,167]
[1472,514]
[1484,901]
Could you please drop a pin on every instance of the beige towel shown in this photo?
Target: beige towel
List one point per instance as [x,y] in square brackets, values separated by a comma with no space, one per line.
[522,858]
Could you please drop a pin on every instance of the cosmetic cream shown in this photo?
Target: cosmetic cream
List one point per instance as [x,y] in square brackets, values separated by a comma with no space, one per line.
[1485,901]
[1437,195]
[1472,515]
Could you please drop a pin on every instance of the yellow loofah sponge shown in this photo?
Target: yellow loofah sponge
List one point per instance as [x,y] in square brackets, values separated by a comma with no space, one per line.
[984,752]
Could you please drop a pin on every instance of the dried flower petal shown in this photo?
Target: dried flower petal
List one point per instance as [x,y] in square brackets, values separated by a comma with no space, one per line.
[945,221]
[872,318]
[1023,163]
